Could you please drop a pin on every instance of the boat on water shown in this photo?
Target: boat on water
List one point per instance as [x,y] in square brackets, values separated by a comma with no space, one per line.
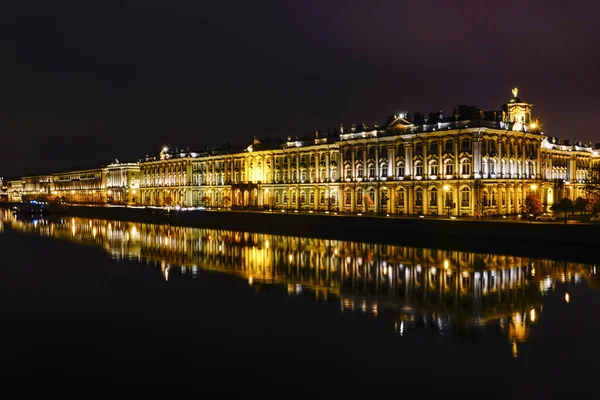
[35,207]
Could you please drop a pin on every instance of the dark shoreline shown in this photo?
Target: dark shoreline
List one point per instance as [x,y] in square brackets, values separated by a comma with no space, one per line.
[576,242]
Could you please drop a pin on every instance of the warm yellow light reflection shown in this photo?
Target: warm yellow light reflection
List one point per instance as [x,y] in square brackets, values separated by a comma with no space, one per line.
[567,297]
[291,258]
[534,187]
[532,315]
[446,188]
[267,244]
[446,264]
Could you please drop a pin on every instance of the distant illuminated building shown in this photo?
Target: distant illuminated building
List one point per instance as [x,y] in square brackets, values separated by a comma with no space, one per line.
[117,183]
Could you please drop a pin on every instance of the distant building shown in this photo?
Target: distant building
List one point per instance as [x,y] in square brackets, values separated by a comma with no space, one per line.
[116,183]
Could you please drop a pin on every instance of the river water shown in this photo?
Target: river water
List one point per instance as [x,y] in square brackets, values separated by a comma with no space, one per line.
[95,306]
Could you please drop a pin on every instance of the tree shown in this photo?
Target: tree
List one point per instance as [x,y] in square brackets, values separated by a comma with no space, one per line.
[533,205]
[368,201]
[226,201]
[564,205]
[593,203]
[205,200]
[580,204]
[592,189]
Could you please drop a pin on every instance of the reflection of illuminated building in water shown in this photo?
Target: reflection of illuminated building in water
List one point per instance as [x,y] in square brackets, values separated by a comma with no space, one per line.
[445,291]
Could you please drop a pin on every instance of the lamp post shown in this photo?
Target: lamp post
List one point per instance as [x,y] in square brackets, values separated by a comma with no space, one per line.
[448,202]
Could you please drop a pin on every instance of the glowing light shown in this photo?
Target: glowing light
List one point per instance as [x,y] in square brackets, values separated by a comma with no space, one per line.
[267,244]
[446,264]
[446,188]
[517,127]
[532,315]
[534,187]
[165,149]
[250,280]
[567,298]
[291,258]
[533,125]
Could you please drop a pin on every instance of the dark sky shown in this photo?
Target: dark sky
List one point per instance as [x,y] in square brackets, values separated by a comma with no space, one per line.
[85,82]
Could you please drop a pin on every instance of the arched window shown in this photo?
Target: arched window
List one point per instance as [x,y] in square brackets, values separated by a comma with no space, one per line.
[303,197]
[433,197]
[384,170]
[372,153]
[465,167]
[333,175]
[493,197]
[371,200]
[312,197]
[359,196]
[371,170]
[449,167]
[433,147]
[419,197]
[418,168]
[359,171]
[348,172]
[322,197]
[400,198]
[465,144]
[285,197]
[348,199]
[433,168]
[293,197]
[465,196]
[277,197]
[384,197]
[400,168]
[449,148]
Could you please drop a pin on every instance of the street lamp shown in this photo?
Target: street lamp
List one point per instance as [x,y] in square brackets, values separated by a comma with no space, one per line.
[448,202]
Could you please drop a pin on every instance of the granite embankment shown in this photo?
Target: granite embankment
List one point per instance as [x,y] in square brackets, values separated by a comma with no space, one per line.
[551,240]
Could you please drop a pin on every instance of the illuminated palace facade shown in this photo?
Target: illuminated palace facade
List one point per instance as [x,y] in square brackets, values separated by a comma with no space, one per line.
[116,183]
[468,164]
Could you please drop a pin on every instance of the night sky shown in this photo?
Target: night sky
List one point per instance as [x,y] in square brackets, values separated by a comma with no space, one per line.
[86,82]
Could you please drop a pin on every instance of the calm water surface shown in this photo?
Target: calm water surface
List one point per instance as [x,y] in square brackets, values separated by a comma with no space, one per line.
[94,305]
